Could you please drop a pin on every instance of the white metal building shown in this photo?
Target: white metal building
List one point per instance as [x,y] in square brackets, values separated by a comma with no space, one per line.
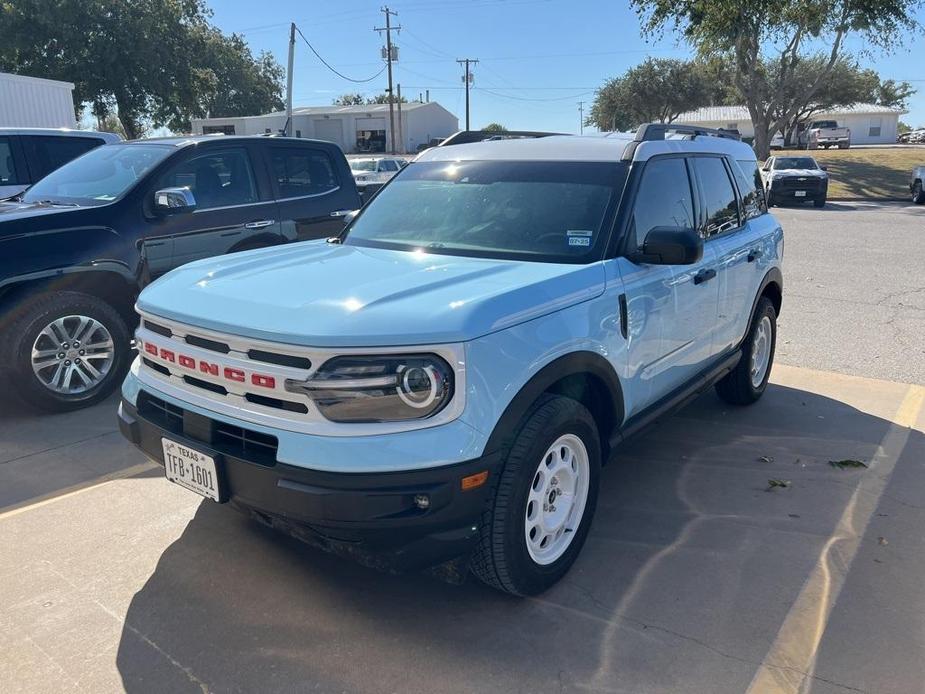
[869,123]
[31,102]
[362,128]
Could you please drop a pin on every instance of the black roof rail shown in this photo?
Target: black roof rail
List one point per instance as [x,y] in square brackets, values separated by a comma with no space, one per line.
[648,132]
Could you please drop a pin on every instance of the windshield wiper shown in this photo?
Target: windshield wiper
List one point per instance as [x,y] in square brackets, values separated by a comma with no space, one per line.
[58,203]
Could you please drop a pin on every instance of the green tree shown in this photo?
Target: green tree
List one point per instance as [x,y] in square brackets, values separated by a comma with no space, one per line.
[758,33]
[158,63]
[384,99]
[902,127]
[494,128]
[658,89]
[893,93]
[355,99]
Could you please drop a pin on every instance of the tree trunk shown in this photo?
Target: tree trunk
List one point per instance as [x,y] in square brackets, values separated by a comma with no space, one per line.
[762,144]
[128,117]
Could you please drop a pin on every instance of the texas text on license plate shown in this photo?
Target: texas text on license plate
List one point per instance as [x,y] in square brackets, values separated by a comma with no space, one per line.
[190,469]
[800,193]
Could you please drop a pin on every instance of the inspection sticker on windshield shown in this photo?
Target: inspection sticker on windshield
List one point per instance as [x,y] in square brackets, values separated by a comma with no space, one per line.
[579,237]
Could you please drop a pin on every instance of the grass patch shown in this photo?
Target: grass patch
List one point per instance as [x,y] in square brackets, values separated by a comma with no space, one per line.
[881,173]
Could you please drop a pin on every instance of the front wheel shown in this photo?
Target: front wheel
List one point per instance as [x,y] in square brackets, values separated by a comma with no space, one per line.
[544,501]
[748,380]
[819,202]
[918,195]
[65,350]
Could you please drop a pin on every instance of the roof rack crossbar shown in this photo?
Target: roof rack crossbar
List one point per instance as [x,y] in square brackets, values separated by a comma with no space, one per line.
[649,132]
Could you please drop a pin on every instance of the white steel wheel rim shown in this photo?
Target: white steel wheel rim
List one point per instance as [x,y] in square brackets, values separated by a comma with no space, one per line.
[556,499]
[72,354]
[761,352]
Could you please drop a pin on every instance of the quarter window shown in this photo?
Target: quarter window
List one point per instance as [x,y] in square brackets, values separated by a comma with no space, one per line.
[7,166]
[217,179]
[664,199]
[388,165]
[751,188]
[302,171]
[719,196]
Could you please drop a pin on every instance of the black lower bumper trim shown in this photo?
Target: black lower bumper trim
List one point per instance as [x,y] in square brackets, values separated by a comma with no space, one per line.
[375,517]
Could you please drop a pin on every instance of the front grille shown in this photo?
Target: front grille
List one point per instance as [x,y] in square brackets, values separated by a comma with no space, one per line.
[199,383]
[231,440]
[159,329]
[280,359]
[212,345]
[157,367]
[794,183]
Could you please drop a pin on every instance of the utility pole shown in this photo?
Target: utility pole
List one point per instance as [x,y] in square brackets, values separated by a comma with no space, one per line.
[401,132]
[288,132]
[581,117]
[467,78]
[388,55]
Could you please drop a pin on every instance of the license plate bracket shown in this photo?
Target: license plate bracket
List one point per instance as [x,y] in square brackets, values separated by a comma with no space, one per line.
[800,193]
[192,469]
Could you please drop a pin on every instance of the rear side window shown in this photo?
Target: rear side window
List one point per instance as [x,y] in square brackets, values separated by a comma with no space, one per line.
[722,211]
[748,177]
[664,199]
[50,153]
[302,171]
[7,165]
[388,165]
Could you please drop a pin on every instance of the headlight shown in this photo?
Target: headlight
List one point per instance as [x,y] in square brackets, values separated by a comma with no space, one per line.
[386,388]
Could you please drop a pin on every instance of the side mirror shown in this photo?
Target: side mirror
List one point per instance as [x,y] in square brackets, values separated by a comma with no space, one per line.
[670,246]
[174,201]
[824,168]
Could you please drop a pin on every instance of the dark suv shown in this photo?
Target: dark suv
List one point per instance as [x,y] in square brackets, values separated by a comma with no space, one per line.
[76,248]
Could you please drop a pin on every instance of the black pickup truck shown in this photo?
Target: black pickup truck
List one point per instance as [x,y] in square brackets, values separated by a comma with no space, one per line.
[77,247]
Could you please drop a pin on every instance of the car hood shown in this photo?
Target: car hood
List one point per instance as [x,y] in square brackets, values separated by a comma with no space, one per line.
[15,211]
[330,295]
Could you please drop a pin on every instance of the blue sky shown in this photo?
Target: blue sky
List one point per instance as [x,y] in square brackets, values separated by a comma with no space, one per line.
[538,58]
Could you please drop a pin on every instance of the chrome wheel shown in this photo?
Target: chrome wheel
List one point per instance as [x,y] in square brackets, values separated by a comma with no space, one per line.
[557,498]
[761,352]
[72,354]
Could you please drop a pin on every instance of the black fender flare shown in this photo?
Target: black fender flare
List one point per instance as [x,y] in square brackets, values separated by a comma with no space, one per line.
[574,363]
[773,276]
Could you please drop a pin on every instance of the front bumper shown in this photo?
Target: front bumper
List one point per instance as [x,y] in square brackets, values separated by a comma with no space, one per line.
[371,517]
[787,188]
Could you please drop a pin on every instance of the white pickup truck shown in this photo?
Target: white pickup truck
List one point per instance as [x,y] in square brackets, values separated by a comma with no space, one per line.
[825,133]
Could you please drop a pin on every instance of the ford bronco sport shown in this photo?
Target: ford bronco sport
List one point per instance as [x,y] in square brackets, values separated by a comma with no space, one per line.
[443,381]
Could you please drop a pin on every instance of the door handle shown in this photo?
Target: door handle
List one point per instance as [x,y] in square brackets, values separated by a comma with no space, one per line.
[754,254]
[704,276]
[341,213]
[260,225]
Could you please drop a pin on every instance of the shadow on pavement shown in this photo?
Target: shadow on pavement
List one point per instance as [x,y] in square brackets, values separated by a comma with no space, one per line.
[689,571]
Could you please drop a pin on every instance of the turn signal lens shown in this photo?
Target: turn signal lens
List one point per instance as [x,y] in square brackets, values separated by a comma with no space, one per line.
[474,481]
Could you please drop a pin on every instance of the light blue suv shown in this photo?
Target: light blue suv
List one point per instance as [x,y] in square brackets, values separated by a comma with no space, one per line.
[443,382]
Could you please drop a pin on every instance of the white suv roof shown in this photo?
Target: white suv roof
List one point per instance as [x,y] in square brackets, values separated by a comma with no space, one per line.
[611,147]
[62,132]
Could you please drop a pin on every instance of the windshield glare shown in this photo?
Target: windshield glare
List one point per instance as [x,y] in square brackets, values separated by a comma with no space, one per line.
[541,211]
[795,163]
[363,165]
[100,176]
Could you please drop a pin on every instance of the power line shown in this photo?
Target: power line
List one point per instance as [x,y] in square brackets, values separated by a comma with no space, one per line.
[331,67]
[528,98]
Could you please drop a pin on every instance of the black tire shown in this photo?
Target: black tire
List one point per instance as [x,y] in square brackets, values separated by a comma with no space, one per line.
[819,202]
[502,559]
[736,387]
[29,318]
[918,195]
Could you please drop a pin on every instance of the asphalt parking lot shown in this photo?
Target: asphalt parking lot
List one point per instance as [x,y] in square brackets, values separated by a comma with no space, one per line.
[695,577]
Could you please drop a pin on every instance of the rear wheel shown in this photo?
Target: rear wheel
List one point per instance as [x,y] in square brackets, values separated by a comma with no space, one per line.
[544,500]
[918,195]
[748,380]
[65,351]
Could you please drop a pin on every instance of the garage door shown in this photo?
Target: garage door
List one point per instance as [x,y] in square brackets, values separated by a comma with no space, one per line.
[331,130]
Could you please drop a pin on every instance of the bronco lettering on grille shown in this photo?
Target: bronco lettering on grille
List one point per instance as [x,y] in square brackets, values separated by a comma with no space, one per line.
[211,368]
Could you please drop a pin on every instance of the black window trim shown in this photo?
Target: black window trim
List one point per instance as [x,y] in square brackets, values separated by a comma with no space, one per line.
[759,189]
[274,183]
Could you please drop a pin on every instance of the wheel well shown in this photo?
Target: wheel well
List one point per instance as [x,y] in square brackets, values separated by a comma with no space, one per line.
[773,292]
[109,286]
[594,394]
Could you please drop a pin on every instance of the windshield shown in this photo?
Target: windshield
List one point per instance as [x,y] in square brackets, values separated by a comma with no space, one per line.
[100,176]
[541,211]
[795,163]
[363,165]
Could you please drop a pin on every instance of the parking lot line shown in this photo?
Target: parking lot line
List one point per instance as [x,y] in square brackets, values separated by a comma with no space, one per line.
[38,502]
[792,657]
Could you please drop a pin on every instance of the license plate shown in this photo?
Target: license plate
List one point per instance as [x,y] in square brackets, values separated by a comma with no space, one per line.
[190,469]
[800,193]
